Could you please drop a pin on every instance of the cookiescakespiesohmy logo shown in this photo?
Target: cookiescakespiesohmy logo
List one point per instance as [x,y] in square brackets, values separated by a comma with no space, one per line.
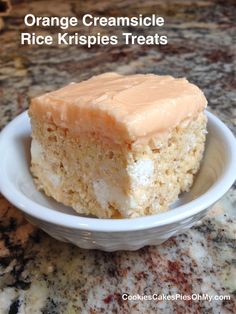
[174,297]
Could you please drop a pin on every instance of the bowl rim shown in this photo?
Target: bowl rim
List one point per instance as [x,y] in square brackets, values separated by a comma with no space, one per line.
[46,214]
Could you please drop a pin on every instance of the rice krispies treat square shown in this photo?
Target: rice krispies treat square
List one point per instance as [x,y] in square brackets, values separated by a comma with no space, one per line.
[118,146]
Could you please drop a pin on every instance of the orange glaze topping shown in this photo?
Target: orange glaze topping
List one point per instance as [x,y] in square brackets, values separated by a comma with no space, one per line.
[122,108]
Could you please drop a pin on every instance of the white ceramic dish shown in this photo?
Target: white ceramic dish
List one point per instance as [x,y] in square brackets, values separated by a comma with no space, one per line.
[217,174]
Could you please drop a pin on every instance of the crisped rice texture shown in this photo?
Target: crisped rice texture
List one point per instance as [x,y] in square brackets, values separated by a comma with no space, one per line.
[97,177]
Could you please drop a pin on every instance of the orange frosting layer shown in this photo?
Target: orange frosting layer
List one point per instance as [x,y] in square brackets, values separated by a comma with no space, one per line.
[121,108]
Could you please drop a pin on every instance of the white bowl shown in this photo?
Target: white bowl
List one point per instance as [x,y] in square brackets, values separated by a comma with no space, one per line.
[217,174]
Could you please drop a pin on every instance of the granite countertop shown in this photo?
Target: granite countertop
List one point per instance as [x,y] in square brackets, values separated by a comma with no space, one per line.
[41,275]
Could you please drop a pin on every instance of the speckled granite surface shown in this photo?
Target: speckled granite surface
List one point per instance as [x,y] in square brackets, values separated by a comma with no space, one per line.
[39,274]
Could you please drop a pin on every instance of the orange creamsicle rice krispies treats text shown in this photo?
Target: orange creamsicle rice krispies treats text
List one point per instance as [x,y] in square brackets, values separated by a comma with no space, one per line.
[118,146]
